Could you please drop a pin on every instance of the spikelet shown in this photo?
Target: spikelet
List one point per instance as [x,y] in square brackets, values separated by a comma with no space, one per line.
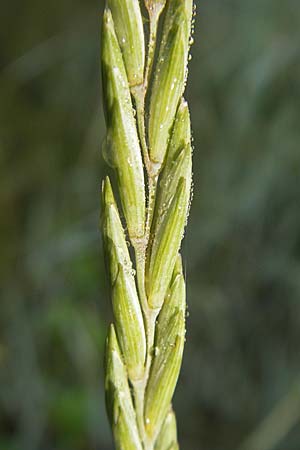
[170,76]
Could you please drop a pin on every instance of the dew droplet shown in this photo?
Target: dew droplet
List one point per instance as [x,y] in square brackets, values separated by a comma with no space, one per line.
[156,351]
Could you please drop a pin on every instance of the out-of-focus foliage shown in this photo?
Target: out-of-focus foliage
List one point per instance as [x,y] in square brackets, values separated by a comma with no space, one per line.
[241,371]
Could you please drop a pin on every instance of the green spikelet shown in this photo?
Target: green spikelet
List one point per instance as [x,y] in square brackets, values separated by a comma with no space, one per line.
[143,225]
[118,398]
[167,438]
[169,342]
[169,76]
[121,131]
[173,199]
[128,22]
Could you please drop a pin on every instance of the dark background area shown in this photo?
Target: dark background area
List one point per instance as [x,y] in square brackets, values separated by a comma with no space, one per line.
[240,383]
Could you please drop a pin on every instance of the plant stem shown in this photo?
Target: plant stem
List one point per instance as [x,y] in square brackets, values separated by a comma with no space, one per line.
[141,246]
[138,93]
[154,14]
[149,315]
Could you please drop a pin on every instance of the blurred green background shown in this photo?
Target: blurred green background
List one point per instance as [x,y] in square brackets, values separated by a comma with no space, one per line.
[240,384]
